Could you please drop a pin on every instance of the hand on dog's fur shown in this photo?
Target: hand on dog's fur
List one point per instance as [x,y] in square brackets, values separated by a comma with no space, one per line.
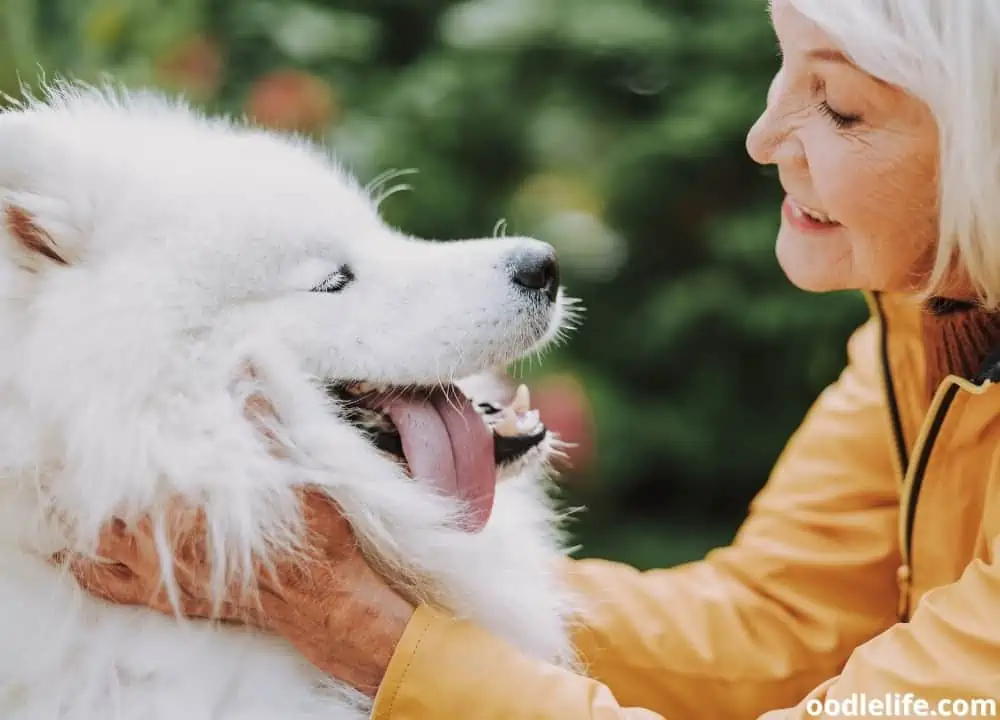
[128,570]
[328,602]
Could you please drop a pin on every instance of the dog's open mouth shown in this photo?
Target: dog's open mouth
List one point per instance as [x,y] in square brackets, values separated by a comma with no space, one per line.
[439,434]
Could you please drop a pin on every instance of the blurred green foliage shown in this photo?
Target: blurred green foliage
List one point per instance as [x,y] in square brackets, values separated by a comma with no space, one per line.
[614,129]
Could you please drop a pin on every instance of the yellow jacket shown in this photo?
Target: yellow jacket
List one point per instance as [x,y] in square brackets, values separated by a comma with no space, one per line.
[868,568]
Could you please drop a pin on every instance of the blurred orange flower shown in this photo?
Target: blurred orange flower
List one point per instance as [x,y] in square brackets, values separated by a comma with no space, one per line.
[564,407]
[293,100]
[193,67]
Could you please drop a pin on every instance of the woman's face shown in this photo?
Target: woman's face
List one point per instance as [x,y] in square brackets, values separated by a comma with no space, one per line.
[858,161]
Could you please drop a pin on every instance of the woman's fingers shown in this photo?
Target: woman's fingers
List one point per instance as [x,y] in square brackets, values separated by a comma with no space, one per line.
[130,570]
[108,580]
[116,583]
[110,574]
[119,544]
[329,531]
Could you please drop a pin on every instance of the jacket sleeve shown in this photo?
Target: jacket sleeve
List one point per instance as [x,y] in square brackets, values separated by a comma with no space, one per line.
[752,627]
[942,663]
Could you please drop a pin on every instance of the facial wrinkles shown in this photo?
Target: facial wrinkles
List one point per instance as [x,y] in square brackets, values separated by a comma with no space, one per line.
[877,176]
[792,104]
[868,164]
[892,182]
[884,188]
[783,117]
[901,164]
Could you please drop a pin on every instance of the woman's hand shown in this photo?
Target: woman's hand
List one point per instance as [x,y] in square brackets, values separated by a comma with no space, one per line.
[330,605]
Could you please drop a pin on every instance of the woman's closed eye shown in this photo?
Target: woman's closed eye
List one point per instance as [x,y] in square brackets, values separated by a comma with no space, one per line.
[841,120]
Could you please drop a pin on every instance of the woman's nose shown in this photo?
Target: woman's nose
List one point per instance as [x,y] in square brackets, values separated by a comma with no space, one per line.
[770,140]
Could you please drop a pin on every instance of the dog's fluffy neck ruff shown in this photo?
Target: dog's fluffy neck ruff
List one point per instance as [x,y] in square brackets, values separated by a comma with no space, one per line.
[94,431]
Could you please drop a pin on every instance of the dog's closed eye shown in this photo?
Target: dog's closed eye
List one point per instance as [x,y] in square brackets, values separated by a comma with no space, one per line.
[336,282]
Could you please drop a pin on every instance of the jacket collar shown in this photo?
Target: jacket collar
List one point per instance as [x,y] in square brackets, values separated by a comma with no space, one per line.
[989,369]
[912,403]
[906,317]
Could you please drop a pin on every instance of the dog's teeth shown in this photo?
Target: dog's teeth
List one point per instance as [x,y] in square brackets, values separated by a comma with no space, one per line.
[507,426]
[522,400]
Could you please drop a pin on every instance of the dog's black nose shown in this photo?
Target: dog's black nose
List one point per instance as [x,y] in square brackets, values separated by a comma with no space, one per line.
[537,269]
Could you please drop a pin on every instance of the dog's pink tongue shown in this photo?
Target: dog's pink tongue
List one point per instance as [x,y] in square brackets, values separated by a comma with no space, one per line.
[447,443]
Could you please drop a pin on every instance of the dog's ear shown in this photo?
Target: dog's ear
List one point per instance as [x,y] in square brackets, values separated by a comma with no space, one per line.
[30,243]
[40,215]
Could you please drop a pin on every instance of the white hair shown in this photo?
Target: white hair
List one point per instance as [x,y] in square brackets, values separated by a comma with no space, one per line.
[947,54]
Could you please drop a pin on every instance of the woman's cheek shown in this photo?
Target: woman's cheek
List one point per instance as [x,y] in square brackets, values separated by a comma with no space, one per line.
[835,180]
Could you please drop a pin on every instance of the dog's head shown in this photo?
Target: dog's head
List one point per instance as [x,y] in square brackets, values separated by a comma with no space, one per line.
[150,256]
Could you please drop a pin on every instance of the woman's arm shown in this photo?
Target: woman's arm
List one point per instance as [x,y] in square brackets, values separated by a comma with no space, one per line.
[754,626]
[943,662]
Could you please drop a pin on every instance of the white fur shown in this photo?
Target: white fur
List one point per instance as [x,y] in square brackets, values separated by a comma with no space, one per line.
[191,246]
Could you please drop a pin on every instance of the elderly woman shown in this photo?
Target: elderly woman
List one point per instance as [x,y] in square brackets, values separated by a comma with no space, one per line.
[870,562]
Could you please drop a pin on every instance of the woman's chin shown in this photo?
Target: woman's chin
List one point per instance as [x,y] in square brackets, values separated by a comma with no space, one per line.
[815,264]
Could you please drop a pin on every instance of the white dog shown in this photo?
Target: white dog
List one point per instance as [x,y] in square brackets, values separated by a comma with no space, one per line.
[157,268]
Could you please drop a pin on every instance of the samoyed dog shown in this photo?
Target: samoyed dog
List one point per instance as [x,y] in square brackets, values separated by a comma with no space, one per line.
[158,268]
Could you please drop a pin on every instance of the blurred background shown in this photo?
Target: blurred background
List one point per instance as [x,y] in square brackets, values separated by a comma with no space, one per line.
[613,129]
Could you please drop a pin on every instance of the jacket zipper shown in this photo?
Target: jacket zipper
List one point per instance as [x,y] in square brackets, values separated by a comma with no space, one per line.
[875,302]
[911,491]
[912,476]
[902,457]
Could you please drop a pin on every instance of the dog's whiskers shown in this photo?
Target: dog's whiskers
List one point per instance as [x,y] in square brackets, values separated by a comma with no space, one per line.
[377,188]
[451,397]
[378,182]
